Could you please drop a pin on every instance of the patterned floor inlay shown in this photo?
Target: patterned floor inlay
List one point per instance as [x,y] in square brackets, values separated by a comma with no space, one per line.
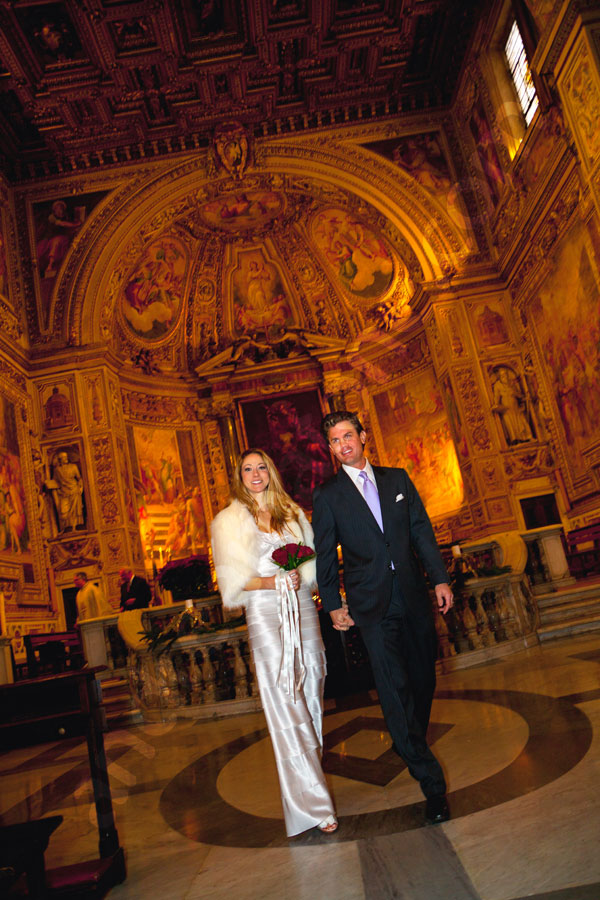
[559,736]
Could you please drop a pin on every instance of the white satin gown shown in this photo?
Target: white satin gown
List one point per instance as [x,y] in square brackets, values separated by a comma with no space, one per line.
[295,727]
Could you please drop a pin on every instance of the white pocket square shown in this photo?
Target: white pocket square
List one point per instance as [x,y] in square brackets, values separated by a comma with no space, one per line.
[399,497]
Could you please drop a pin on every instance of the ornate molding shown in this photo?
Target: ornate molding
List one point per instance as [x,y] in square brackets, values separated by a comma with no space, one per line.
[470,395]
[105,479]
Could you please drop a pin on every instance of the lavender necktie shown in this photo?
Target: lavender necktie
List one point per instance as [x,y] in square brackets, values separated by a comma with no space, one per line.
[372,497]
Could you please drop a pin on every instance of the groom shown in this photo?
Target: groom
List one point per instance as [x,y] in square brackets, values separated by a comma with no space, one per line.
[379,519]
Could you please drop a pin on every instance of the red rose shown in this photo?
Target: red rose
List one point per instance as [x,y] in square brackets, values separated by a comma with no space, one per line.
[290,556]
[305,552]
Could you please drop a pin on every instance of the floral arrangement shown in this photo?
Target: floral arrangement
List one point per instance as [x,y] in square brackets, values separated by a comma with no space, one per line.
[185,578]
[290,556]
[161,634]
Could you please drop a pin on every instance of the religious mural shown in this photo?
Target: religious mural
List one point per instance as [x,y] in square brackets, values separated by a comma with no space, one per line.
[416,436]
[289,429]
[490,324]
[14,530]
[171,512]
[422,156]
[359,259]
[242,210]
[486,151]
[566,314]
[259,297]
[56,224]
[57,406]
[153,294]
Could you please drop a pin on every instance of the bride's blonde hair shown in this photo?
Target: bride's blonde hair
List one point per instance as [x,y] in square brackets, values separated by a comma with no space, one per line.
[279,503]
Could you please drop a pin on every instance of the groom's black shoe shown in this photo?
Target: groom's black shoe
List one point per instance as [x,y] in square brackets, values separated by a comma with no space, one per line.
[436,809]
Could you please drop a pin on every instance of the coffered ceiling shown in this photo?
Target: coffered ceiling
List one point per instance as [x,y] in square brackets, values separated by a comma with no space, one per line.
[87,83]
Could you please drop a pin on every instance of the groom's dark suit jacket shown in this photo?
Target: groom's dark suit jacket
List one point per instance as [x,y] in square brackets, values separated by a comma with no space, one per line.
[341,516]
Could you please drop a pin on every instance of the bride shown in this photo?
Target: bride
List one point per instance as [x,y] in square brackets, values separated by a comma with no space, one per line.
[285,638]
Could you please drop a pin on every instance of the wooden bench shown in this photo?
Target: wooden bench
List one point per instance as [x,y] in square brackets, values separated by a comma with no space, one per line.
[583,550]
[54,708]
[56,651]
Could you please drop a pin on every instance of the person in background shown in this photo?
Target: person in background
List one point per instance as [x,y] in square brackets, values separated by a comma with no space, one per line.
[90,600]
[135,591]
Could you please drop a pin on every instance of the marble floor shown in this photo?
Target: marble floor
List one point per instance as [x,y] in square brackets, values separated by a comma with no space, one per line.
[198,812]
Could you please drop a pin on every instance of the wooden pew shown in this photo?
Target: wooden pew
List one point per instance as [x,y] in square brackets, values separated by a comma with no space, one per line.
[54,652]
[52,708]
[583,550]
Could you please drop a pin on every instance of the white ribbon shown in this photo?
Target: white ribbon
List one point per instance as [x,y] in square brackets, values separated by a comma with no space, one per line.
[291,644]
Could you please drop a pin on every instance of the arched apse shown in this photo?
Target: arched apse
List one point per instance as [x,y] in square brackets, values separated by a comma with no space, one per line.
[272,207]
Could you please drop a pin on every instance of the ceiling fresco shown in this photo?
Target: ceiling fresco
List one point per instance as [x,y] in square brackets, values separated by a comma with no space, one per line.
[254,274]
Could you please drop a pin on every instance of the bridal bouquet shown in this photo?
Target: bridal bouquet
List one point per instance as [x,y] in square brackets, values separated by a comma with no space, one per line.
[290,556]
[291,668]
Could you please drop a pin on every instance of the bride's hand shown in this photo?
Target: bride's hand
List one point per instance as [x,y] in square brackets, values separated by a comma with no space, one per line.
[294,577]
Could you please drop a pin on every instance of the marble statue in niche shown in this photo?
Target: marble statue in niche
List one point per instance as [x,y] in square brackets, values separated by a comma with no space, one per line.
[66,486]
[511,406]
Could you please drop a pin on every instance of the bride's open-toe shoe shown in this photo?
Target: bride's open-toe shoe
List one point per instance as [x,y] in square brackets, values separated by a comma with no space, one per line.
[328,825]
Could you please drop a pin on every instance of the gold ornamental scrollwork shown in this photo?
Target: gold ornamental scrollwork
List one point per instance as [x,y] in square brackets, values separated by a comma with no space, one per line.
[471,401]
[66,555]
[105,471]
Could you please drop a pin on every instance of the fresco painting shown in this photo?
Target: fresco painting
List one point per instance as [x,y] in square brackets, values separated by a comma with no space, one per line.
[170,507]
[360,260]
[153,294]
[417,436]
[288,429]
[56,224]
[14,530]
[242,210]
[567,320]
[422,156]
[490,325]
[259,298]
[486,151]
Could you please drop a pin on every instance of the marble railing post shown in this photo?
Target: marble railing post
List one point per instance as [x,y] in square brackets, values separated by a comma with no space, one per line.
[94,641]
[489,614]
[199,674]
[547,559]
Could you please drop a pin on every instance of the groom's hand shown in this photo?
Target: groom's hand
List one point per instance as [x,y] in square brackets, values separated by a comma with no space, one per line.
[443,595]
[341,619]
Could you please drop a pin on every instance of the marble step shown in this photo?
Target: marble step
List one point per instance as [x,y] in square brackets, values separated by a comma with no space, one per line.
[569,610]
[579,592]
[118,704]
[569,626]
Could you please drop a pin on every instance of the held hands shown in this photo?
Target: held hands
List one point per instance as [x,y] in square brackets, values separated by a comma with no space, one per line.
[443,595]
[341,619]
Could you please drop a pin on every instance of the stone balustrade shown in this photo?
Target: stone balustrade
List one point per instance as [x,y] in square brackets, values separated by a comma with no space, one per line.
[494,614]
[202,675]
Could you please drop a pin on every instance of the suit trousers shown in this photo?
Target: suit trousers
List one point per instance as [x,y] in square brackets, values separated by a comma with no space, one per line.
[402,653]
